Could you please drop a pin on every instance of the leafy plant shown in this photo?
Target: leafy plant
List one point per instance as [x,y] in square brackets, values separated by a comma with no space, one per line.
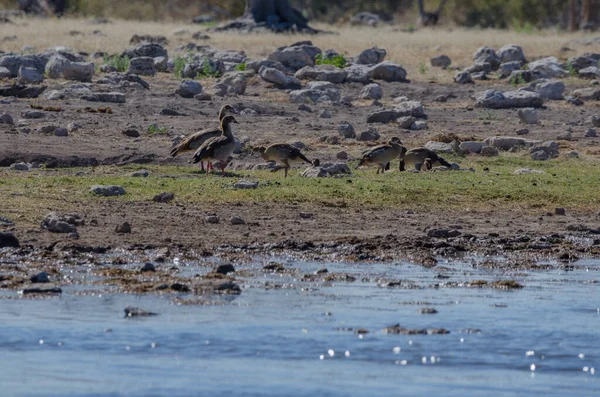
[119,62]
[422,68]
[336,60]
[180,61]
[206,70]
[571,69]
[155,129]
[240,67]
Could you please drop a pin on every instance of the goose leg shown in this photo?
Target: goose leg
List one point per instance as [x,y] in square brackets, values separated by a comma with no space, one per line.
[285,171]
[202,166]
[222,170]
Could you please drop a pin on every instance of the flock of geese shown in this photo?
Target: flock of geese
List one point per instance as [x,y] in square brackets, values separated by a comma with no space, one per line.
[216,145]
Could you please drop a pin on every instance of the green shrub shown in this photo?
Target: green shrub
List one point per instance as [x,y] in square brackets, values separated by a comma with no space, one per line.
[337,60]
[119,62]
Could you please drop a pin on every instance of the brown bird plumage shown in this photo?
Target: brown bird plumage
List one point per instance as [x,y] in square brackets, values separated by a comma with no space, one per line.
[420,156]
[382,154]
[282,154]
[219,148]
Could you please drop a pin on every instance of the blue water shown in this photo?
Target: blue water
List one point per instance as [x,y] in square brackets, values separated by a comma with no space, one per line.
[292,341]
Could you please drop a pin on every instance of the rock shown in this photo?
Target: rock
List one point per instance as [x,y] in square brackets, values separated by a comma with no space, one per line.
[511,53]
[13,62]
[369,135]
[574,101]
[5,73]
[123,228]
[258,64]
[419,125]
[522,131]
[61,132]
[236,220]
[548,67]
[573,154]
[522,171]
[479,67]
[148,267]
[150,50]
[141,66]
[439,147]
[487,54]
[243,184]
[131,311]
[336,168]
[506,142]
[346,130]
[591,72]
[205,96]
[492,99]
[358,74]
[591,133]
[565,136]
[427,310]
[505,69]
[304,108]
[442,233]
[315,172]
[528,116]
[577,63]
[550,148]
[248,112]
[325,114]
[165,197]
[489,151]
[470,147]
[405,122]
[58,66]
[410,108]
[594,121]
[370,56]
[6,118]
[341,155]
[322,73]
[278,78]
[559,211]
[211,219]
[29,75]
[441,61]
[463,78]
[587,94]
[294,58]
[74,127]
[32,114]
[7,239]
[110,97]
[161,64]
[19,166]
[333,140]
[139,174]
[230,56]
[219,90]
[224,269]
[38,290]
[123,80]
[189,88]
[549,89]
[236,83]
[170,112]
[131,132]
[365,18]
[314,95]
[371,91]
[539,155]
[4,221]
[388,71]
[108,190]
[520,77]
[56,223]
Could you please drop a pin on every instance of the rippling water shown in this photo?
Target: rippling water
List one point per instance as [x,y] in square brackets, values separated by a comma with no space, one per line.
[294,341]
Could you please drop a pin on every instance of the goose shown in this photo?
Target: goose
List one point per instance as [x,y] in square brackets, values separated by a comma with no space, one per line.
[282,154]
[219,148]
[194,141]
[382,154]
[420,156]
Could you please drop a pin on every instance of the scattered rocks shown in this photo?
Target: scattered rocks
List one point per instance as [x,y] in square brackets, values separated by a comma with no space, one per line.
[108,190]
[441,61]
[528,116]
[7,239]
[123,228]
[165,197]
[544,150]
[548,67]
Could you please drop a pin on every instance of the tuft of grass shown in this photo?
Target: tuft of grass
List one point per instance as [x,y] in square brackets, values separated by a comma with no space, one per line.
[338,61]
[154,129]
[119,62]
[180,61]
[422,68]
[240,67]
[571,69]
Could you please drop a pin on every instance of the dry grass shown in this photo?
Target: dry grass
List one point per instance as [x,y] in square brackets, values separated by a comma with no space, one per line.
[412,50]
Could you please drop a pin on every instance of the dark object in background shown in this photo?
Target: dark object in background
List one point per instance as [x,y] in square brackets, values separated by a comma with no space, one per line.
[56,7]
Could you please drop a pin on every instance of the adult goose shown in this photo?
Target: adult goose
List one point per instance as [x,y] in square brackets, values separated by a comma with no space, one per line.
[282,154]
[381,155]
[219,148]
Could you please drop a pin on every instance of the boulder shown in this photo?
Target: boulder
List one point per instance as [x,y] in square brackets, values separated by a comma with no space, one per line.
[371,91]
[294,58]
[520,77]
[5,73]
[152,50]
[322,73]
[6,118]
[539,155]
[487,54]
[493,99]
[410,108]
[550,148]
[489,151]
[28,75]
[236,83]
[257,64]
[13,62]
[60,67]
[441,61]
[418,125]
[358,74]
[383,116]
[591,72]
[511,53]
[477,67]
[577,63]
[315,172]
[161,64]
[189,88]
[370,56]
[505,69]
[405,122]
[548,67]
[230,56]
[278,78]
[548,89]
[56,223]
[366,19]
[463,78]
[388,71]
[587,94]
[528,116]
[7,239]
[471,147]
[142,66]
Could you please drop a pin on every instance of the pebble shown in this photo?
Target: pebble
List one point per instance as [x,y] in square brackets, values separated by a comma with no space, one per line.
[212,219]
[123,228]
[61,132]
[165,197]
[236,220]
[41,277]
[148,267]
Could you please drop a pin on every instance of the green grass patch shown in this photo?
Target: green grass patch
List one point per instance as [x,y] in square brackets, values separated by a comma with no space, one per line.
[119,62]
[337,60]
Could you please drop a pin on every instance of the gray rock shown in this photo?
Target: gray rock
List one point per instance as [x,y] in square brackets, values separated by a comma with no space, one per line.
[257,64]
[73,127]
[369,135]
[591,72]
[547,68]
[365,18]
[140,174]
[58,66]
[148,267]
[405,122]
[478,67]
[151,50]
[358,73]
[346,130]
[489,151]
[294,58]
[441,61]
[219,89]
[591,133]
[248,112]
[520,77]
[388,71]
[410,108]
[6,118]
[511,53]
[549,89]
[56,223]
[14,62]
[565,136]
[41,277]
[419,125]
[7,239]
[522,131]
[5,73]
[383,116]
[110,97]
[587,94]
[165,197]
[522,171]
[236,83]
[211,219]
[19,166]
[4,221]
[236,220]
[505,69]
[439,147]
[108,190]
[123,228]
[479,76]
[243,184]
[506,142]
[370,56]
[528,116]
[33,114]
[539,155]
[322,73]
[325,114]
[230,56]
[123,80]
[189,88]
[61,132]
[143,66]
[161,64]
[492,99]
[278,78]
[578,62]
[594,121]
[371,91]
[471,147]
[487,54]
[341,155]
[314,95]
[29,75]
[305,108]
[550,148]
[315,172]
[336,168]
[573,155]
[463,78]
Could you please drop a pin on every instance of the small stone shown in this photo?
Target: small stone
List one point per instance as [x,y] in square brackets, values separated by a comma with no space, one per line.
[236,220]
[212,219]
[441,61]
[325,114]
[419,125]
[523,131]
[61,132]
[123,228]
[189,89]
[342,155]
[248,112]
[7,239]
[370,135]
[306,215]
[204,96]
[32,114]
[574,101]
[224,269]
[559,211]
[371,91]
[6,118]
[539,155]
[428,310]
[131,132]
[72,127]
[346,130]
[528,116]
[19,166]
[591,133]
[305,108]
[109,190]
[165,197]
[139,174]
[243,184]
[463,78]
[41,277]
[148,267]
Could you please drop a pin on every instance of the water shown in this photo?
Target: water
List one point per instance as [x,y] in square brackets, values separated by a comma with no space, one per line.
[293,341]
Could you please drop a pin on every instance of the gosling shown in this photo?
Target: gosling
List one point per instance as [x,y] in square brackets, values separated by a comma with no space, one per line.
[418,157]
[194,141]
[282,154]
[382,154]
[219,148]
